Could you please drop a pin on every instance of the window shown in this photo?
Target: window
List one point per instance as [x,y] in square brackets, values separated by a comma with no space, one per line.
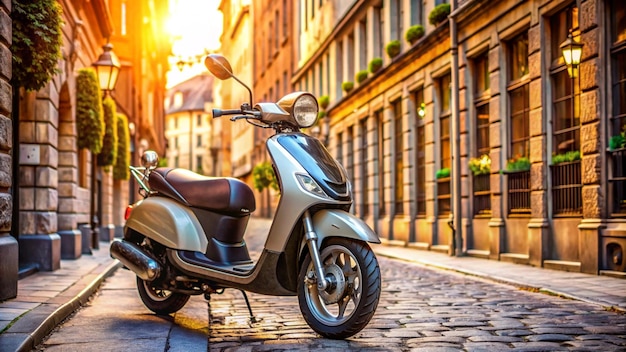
[396,20]
[379,24]
[519,130]
[123,19]
[176,142]
[339,68]
[363,40]
[340,148]
[617,177]
[363,170]
[420,155]
[199,168]
[566,176]
[380,157]
[285,19]
[481,183]
[416,12]
[199,120]
[276,31]
[350,53]
[350,158]
[445,156]
[398,152]
[198,141]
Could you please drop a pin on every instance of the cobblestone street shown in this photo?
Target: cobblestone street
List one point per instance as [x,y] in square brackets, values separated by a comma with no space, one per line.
[420,310]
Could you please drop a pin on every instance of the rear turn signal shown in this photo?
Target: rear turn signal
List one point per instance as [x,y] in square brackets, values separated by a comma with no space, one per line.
[127,212]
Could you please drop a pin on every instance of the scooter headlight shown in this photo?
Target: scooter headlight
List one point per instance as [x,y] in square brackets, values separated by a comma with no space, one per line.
[305,110]
[310,185]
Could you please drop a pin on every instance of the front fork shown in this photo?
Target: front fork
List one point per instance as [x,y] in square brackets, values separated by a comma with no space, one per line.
[311,240]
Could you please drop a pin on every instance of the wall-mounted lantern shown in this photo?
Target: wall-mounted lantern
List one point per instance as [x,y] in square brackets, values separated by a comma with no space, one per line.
[572,53]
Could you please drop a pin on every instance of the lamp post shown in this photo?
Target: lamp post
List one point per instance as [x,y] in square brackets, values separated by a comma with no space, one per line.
[107,69]
[572,53]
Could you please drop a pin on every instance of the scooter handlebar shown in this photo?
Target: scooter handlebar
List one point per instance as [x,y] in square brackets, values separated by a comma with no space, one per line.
[219,112]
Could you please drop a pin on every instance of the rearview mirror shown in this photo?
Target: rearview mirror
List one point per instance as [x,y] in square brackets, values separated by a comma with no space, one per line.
[219,66]
[150,159]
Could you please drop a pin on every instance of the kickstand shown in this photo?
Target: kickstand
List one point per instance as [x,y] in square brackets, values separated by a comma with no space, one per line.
[207,297]
[252,318]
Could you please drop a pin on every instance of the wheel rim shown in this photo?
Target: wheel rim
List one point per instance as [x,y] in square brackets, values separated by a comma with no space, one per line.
[338,303]
[156,294]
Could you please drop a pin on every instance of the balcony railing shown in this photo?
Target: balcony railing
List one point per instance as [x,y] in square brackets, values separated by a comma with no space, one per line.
[482,195]
[519,192]
[443,196]
[617,183]
[567,188]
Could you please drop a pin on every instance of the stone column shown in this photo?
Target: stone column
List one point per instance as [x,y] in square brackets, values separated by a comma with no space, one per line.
[39,242]
[592,145]
[538,226]
[8,244]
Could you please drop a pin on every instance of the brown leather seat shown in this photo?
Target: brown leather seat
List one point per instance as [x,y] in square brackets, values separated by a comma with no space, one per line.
[221,194]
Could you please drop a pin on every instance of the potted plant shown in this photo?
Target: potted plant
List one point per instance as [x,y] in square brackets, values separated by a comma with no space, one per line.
[264,177]
[323,101]
[617,142]
[439,14]
[122,158]
[393,48]
[361,76]
[347,86]
[519,163]
[481,165]
[567,157]
[321,114]
[375,64]
[414,33]
[442,173]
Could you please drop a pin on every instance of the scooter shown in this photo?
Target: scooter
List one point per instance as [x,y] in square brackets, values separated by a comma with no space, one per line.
[186,236]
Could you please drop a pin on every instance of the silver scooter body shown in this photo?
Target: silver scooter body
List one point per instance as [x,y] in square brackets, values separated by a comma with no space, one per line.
[178,228]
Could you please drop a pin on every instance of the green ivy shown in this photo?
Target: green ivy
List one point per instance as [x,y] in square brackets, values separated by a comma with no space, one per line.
[439,14]
[264,177]
[37,40]
[361,76]
[521,163]
[89,120]
[122,158]
[109,142]
[442,173]
[375,64]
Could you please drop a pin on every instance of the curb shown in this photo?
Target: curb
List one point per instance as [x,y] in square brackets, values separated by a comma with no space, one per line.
[520,285]
[65,310]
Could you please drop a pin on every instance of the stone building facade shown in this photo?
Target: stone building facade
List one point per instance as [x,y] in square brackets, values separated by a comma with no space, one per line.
[489,82]
[52,190]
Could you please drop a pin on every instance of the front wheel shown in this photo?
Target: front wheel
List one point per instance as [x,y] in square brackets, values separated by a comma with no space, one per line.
[162,302]
[348,303]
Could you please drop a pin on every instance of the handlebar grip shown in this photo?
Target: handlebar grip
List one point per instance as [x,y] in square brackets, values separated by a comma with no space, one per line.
[220,112]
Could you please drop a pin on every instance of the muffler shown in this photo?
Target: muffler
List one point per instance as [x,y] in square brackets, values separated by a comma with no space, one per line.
[136,259]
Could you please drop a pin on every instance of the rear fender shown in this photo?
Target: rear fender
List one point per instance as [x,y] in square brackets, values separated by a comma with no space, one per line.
[168,223]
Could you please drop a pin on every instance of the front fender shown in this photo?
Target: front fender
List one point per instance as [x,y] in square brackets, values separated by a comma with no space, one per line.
[339,223]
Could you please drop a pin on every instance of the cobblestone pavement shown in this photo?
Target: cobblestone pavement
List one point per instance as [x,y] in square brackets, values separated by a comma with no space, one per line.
[421,309]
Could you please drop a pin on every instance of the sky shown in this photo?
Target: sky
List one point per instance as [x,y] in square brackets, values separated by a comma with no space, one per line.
[196,26]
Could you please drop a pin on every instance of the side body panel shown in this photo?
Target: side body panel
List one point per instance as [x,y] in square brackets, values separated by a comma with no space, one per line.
[169,223]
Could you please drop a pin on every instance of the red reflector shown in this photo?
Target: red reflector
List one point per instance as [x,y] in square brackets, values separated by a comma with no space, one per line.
[127,212]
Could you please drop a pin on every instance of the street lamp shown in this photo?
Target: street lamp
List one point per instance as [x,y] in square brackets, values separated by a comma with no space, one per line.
[572,53]
[107,68]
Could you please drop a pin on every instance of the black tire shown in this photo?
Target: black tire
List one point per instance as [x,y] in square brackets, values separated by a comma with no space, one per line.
[162,302]
[346,307]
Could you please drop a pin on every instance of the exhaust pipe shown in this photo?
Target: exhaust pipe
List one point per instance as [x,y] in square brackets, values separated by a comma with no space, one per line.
[136,259]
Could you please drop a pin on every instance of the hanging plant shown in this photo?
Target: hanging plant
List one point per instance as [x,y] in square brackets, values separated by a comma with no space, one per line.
[122,157]
[361,76]
[109,142]
[375,64]
[36,42]
[393,48]
[89,120]
[439,14]
[264,177]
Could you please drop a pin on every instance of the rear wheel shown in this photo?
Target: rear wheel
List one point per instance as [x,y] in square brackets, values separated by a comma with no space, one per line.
[162,302]
[348,303]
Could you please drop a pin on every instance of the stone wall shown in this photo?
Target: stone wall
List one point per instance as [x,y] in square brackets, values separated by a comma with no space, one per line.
[8,244]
